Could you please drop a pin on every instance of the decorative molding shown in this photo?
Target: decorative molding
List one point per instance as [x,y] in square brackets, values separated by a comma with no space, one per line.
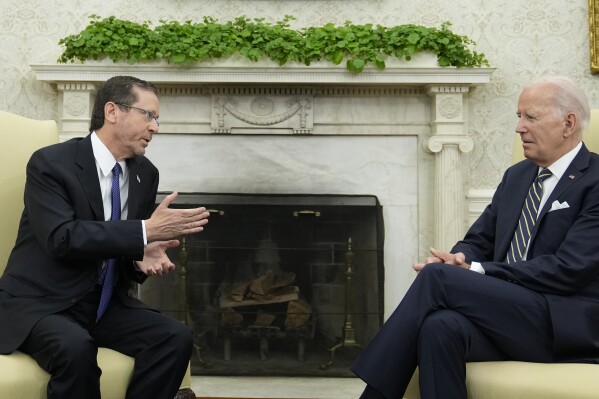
[450,108]
[261,90]
[75,104]
[292,112]
[447,89]
[436,143]
[250,73]
[181,91]
[76,86]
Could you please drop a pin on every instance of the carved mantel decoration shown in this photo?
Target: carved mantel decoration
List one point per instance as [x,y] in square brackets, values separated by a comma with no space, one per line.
[258,109]
[409,99]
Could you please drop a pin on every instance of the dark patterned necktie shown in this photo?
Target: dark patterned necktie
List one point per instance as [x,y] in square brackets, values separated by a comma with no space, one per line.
[107,275]
[528,218]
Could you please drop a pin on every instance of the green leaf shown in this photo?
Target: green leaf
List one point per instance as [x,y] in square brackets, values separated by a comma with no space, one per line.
[337,57]
[413,38]
[443,61]
[178,58]
[355,65]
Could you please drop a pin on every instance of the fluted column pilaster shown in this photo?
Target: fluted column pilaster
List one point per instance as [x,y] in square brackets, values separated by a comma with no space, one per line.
[449,139]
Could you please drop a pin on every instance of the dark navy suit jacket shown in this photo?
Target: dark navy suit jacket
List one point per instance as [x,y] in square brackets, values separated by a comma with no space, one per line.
[563,254]
[63,238]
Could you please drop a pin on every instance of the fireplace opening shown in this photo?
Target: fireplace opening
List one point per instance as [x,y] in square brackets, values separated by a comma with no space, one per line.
[277,285]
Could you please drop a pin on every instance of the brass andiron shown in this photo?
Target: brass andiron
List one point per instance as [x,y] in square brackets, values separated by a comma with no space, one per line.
[348,334]
[183,259]
[183,311]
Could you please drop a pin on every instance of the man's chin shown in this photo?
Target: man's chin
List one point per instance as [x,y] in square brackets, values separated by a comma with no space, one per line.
[528,149]
[140,152]
[528,154]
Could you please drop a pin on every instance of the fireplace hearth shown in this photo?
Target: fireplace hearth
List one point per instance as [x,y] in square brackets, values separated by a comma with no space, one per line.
[277,284]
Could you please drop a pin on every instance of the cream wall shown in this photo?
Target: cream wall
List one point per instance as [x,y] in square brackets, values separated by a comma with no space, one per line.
[522,38]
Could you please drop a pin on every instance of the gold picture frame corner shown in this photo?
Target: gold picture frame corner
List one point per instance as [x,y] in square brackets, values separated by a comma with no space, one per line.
[594,35]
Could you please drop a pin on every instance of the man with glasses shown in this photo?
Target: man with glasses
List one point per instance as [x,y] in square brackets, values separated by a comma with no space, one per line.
[89,232]
[149,114]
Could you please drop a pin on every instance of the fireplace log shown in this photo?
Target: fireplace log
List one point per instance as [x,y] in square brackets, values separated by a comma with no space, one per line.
[298,313]
[230,317]
[284,294]
[264,319]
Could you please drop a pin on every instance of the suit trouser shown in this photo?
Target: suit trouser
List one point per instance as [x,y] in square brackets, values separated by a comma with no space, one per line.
[65,345]
[448,317]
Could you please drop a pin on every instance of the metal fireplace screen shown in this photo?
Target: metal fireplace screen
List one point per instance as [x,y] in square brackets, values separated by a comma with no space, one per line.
[277,284]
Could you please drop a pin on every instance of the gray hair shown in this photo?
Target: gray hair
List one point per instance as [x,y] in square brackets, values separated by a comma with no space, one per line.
[569,97]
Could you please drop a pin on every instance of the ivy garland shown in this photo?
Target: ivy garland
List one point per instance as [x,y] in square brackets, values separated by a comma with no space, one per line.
[188,42]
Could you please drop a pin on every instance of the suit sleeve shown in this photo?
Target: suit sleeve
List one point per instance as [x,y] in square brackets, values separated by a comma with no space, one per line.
[62,220]
[479,242]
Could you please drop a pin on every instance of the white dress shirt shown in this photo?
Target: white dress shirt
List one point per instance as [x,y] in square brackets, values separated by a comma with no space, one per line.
[104,164]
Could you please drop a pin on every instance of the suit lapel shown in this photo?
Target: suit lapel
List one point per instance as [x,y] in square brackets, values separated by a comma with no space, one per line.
[134,198]
[576,169]
[88,176]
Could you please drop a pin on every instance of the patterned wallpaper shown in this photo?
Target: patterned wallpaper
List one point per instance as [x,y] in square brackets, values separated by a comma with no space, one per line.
[522,38]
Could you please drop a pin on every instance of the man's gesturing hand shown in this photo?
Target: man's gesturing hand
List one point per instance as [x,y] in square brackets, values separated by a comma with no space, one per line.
[156,262]
[166,223]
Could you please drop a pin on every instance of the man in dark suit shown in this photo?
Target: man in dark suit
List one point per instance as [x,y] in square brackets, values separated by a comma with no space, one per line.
[54,281]
[523,284]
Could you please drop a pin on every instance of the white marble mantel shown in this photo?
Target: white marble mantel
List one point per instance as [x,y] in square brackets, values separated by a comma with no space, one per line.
[417,111]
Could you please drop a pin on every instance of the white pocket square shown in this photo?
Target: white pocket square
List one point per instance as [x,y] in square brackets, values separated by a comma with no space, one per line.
[556,205]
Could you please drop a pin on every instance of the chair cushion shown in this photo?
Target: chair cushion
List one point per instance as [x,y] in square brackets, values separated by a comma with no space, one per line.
[522,380]
[22,378]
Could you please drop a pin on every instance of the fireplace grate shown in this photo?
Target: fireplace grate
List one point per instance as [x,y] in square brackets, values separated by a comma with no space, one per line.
[264,286]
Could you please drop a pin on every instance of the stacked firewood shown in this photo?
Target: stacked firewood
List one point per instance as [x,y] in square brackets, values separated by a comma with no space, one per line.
[263,300]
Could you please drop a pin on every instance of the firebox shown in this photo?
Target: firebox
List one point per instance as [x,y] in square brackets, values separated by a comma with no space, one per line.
[277,284]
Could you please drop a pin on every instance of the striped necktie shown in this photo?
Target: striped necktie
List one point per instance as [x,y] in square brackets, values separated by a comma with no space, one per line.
[528,218]
[107,275]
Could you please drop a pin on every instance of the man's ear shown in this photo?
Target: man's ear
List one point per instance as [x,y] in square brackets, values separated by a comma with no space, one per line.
[110,112]
[570,124]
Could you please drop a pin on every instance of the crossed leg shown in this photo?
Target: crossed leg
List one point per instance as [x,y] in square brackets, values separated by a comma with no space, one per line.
[450,316]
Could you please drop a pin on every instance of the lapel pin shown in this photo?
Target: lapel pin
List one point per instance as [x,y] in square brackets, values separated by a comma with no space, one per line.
[571,177]
[139,181]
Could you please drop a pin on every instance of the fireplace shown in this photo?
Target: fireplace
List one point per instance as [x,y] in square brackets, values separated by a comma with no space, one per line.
[278,284]
[398,134]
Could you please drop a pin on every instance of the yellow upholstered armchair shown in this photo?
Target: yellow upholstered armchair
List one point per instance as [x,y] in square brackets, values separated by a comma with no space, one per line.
[20,376]
[522,380]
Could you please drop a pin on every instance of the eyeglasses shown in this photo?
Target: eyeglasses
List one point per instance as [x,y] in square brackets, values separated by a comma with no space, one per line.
[148,114]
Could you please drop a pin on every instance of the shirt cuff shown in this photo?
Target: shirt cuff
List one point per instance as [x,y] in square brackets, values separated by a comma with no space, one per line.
[477,267]
[143,228]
